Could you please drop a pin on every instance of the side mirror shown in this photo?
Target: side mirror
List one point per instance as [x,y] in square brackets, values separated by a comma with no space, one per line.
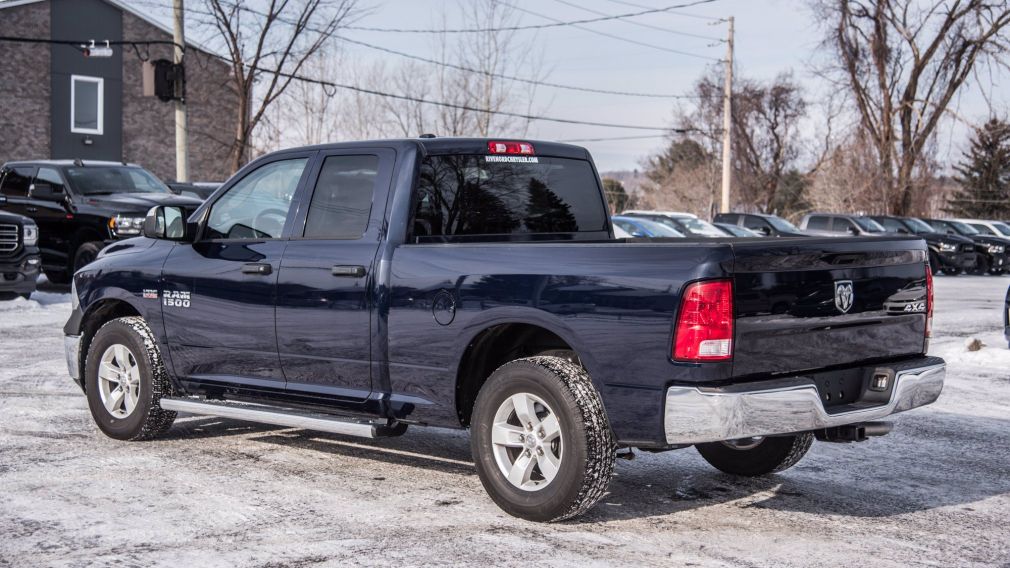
[166,222]
[46,191]
[638,234]
[763,231]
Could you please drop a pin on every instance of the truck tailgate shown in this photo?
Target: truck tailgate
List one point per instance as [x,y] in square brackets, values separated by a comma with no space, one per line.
[839,302]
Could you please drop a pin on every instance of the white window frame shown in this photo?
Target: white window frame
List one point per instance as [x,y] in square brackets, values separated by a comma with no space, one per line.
[101,103]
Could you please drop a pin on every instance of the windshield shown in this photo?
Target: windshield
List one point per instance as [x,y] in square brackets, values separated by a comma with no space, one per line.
[869,225]
[103,180]
[1003,228]
[693,226]
[982,229]
[782,225]
[963,228]
[918,226]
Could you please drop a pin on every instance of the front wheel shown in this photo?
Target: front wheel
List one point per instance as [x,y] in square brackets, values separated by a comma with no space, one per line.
[756,456]
[541,440]
[124,379]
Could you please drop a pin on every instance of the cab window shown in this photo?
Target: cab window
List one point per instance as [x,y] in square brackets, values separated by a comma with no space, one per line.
[257,206]
[16,181]
[840,225]
[342,198]
[819,223]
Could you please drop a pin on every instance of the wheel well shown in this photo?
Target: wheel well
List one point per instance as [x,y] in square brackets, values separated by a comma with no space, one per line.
[97,316]
[491,349]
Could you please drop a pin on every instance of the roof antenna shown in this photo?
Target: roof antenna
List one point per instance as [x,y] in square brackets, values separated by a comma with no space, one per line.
[78,162]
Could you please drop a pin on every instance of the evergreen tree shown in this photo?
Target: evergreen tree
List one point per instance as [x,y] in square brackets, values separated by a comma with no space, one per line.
[984,175]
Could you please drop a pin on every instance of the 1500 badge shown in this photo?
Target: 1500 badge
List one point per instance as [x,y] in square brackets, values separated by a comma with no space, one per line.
[175,299]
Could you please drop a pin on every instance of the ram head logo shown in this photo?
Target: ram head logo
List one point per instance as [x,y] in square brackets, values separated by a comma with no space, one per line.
[843,295]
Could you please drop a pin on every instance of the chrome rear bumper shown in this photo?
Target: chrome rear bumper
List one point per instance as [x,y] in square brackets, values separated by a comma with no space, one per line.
[696,415]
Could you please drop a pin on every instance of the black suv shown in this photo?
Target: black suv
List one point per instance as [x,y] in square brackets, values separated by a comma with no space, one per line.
[991,252]
[947,252]
[762,224]
[80,207]
[19,255]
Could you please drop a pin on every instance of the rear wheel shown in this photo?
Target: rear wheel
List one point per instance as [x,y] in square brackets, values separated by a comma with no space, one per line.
[756,456]
[541,440]
[124,379]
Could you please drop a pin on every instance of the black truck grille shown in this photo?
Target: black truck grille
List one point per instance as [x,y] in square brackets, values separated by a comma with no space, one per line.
[968,247]
[10,237]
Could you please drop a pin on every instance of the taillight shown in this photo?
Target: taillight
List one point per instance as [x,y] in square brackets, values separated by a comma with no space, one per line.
[929,301]
[520,148]
[705,322]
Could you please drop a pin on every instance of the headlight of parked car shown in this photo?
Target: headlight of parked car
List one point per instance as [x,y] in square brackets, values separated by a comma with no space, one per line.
[948,247]
[126,225]
[996,249]
[31,237]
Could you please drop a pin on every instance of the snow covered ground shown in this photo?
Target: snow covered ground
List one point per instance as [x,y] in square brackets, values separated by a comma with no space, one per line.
[935,492]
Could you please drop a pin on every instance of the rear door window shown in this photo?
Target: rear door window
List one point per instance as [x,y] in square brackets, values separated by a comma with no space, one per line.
[755,223]
[840,225]
[487,197]
[342,199]
[16,181]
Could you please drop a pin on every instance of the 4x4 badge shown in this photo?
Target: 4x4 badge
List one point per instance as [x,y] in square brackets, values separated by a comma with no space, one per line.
[843,295]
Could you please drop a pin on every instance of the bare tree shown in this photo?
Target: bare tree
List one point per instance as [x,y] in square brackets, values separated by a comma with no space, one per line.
[266,48]
[903,61]
[768,147]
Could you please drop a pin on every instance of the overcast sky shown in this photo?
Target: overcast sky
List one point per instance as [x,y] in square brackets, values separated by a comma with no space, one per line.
[772,36]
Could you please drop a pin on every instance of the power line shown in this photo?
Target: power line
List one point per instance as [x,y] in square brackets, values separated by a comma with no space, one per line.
[610,138]
[685,14]
[512,77]
[614,36]
[641,24]
[470,69]
[444,104]
[555,24]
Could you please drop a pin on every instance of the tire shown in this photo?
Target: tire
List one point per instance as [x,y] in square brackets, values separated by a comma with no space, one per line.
[768,455]
[57,277]
[143,370]
[85,254]
[581,453]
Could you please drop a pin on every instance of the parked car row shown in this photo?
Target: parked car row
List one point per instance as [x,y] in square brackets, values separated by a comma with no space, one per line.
[975,246]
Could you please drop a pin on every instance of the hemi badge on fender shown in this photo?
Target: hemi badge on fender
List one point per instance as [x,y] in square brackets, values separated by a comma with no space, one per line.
[150,294]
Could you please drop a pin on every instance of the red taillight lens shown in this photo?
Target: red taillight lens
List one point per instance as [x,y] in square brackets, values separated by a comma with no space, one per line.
[929,301]
[519,148]
[705,322]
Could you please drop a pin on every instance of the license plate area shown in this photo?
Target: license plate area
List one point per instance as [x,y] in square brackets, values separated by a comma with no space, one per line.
[840,388]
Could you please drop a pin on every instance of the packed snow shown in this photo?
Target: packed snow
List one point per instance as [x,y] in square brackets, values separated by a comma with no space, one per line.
[223,493]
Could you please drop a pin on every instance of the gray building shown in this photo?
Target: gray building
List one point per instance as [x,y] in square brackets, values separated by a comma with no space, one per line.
[57,103]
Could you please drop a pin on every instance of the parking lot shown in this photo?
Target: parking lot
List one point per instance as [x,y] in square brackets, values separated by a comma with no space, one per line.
[223,493]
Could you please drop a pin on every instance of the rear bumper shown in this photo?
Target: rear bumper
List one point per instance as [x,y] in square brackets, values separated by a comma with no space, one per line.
[696,415]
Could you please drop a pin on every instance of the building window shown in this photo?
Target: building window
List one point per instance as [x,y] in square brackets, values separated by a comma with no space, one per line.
[86,104]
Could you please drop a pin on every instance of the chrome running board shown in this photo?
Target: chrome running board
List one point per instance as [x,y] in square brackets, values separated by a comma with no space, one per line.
[280,417]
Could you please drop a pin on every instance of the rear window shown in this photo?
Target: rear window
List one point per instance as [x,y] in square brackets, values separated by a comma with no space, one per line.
[470,195]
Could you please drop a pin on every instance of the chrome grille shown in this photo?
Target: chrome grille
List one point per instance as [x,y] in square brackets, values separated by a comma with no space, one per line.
[10,236]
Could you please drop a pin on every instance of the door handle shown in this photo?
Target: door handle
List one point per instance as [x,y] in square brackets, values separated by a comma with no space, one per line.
[259,268]
[352,271]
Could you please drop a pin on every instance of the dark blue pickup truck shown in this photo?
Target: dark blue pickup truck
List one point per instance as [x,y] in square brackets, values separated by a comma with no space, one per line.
[360,288]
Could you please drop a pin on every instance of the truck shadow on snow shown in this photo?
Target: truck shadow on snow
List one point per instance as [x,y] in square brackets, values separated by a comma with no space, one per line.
[930,461]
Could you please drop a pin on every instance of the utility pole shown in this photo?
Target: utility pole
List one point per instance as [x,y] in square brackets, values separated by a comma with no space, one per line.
[181,144]
[727,124]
